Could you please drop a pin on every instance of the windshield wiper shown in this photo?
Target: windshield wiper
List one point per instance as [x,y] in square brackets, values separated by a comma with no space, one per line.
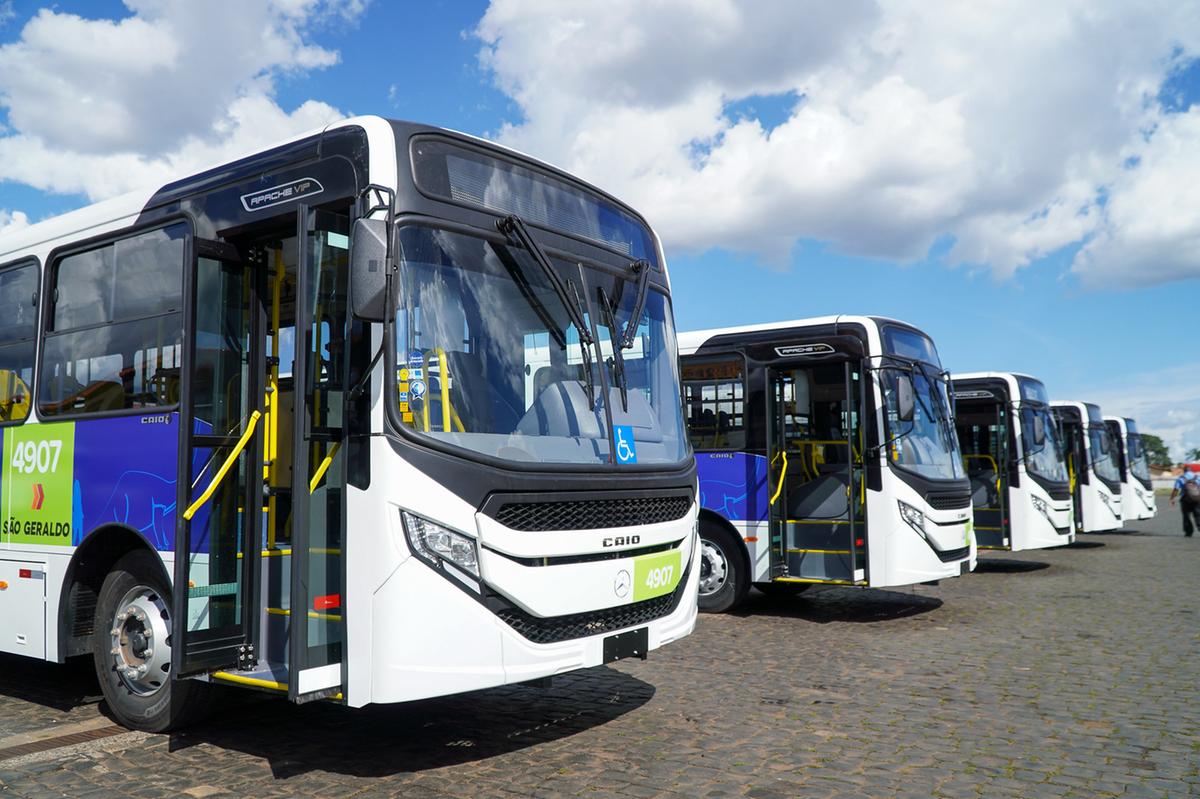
[641,268]
[616,364]
[513,227]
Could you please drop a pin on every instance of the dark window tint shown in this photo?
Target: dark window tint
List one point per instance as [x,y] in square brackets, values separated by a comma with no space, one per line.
[18,329]
[135,277]
[714,399]
[466,175]
[909,344]
[83,294]
[116,335]
[126,365]
[149,275]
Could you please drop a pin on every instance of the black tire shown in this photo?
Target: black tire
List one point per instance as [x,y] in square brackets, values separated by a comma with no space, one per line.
[724,578]
[150,701]
[783,590]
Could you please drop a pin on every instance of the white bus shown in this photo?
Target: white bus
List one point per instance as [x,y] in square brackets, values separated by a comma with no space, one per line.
[1137,491]
[1091,466]
[826,455]
[294,385]
[1014,458]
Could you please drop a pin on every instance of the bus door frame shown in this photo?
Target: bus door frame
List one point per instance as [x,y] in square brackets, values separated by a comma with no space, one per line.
[835,348]
[230,646]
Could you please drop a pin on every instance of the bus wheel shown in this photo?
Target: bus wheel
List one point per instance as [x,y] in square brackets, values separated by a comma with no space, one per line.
[782,590]
[723,578]
[131,647]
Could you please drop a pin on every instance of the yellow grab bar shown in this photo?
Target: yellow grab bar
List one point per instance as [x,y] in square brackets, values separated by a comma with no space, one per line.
[782,474]
[324,467]
[445,389]
[225,467]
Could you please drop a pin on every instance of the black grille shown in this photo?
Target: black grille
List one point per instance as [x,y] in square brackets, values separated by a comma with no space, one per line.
[949,501]
[592,514]
[951,554]
[553,629]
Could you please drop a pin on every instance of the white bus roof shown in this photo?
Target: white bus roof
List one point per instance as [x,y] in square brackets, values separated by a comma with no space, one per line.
[692,340]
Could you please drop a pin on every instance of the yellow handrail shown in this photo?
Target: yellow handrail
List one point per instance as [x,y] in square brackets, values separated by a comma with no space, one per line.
[225,467]
[782,474]
[324,467]
[445,389]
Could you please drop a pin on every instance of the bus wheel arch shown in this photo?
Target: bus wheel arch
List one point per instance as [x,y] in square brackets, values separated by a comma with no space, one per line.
[91,562]
[132,641]
[724,567]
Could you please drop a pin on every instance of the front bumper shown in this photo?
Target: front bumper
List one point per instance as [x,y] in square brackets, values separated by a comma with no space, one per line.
[455,640]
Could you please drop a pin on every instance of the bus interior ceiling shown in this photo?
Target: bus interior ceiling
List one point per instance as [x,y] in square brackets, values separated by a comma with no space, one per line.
[818,430]
[981,435]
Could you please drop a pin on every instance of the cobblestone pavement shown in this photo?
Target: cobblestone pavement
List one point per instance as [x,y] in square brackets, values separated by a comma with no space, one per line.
[1069,672]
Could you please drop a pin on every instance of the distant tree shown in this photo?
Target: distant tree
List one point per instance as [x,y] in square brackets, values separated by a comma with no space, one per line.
[1194,455]
[1156,451]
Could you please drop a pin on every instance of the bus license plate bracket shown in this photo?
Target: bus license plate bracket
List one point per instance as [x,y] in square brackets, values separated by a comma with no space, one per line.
[632,644]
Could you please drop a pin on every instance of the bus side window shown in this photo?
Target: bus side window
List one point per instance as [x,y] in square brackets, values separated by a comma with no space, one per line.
[714,402]
[114,334]
[18,335]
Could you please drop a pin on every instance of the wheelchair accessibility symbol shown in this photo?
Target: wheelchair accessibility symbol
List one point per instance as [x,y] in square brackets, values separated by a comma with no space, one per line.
[626,446]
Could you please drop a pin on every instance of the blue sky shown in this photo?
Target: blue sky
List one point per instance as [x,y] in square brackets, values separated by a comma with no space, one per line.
[1101,332]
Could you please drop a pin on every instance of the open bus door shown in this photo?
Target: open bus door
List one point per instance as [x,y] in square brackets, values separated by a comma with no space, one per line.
[320,374]
[983,431]
[216,546]
[815,445]
[263,463]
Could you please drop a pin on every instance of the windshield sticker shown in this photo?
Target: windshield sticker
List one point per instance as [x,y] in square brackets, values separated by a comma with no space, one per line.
[417,389]
[804,349]
[293,190]
[416,358]
[416,373]
[626,445]
[970,395]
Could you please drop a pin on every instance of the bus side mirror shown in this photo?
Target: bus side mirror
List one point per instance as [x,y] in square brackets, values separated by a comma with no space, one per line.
[906,402]
[1039,431]
[368,269]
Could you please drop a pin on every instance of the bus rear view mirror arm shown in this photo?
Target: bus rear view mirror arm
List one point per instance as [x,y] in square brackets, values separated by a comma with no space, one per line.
[369,268]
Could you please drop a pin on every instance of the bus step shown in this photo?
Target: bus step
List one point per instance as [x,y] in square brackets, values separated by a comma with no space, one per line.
[826,565]
[265,677]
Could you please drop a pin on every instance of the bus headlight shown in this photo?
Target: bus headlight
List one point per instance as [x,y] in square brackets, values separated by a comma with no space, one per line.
[914,517]
[433,542]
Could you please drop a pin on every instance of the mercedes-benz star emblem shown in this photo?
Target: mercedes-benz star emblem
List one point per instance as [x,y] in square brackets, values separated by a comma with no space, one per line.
[621,585]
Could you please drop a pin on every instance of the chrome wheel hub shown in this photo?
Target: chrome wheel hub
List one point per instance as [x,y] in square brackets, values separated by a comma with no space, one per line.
[714,568]
[141,641]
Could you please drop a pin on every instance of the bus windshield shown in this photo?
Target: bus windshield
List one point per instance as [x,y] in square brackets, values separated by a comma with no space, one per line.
[1139,462]
[928,445]
[1103,452]
[489,361]
[1045,460]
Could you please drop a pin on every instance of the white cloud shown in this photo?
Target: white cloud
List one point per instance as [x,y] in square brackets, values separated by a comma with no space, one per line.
[1000,124]
[7,13]
[1165,402]
[1151,227]
[12,220]
[102,106]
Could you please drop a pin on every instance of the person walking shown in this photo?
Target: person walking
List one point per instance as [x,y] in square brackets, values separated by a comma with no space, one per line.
[1187,488]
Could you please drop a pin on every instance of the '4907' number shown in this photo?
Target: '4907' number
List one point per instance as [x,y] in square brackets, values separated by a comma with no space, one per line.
[660,577]
[36,456]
